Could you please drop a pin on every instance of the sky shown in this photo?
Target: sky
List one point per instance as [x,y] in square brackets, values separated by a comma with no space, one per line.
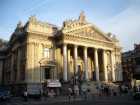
[120,17]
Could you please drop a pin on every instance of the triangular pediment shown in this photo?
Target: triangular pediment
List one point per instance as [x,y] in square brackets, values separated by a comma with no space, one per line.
[88,31]
[81,28]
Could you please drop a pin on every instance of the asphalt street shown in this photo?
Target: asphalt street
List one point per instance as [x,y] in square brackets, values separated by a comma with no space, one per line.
[98,100]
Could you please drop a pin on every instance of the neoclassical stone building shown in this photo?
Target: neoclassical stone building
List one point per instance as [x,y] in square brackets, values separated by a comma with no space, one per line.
[39,51]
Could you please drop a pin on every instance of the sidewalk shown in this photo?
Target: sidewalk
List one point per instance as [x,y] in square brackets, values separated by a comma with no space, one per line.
[61,99]
[44,100]
[64,99]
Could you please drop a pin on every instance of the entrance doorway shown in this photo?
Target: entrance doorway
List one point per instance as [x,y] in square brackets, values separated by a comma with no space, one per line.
[47,73]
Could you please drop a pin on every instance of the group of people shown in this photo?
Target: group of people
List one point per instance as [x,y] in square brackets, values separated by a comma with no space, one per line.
[74,92]
[105,90]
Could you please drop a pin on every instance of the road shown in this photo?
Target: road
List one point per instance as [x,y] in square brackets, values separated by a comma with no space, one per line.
[114,100]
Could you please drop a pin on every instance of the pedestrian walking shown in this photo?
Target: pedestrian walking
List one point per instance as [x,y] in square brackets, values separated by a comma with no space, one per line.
[76,90]
[88,94]
[84,91]
[70,93]
[102,90]
[25,95]
[85,94]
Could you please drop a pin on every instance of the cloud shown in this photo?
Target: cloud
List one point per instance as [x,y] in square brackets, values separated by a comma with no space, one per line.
[126,26]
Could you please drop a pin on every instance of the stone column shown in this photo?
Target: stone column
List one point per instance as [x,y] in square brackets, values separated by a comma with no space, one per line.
[65,62]
[85,64]
[112,65]
[105,65]
[96,63]
[68,65]
[75,59]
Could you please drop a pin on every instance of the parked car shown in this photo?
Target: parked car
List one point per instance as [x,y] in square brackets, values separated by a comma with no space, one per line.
[4,94]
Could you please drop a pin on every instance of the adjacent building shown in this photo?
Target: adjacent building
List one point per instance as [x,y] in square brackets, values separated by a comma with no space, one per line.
[137,61]
[38,51]
[131,66]
[3,45]
[128,66]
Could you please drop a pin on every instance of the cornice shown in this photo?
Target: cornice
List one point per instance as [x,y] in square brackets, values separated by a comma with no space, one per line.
[84,37]
[88,43]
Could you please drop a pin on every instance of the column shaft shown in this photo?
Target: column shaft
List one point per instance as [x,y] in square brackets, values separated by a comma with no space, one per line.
[105,65]
[85,63]
[75,59]
[65,62]
[112,65]
[96,64]
[68,65]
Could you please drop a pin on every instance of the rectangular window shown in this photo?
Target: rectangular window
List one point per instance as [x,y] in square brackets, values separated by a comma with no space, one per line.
[46,53]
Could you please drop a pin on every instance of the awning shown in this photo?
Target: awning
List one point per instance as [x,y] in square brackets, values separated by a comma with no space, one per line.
[53,83]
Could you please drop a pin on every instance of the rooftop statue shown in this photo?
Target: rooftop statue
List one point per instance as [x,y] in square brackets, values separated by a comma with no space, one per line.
[19,25]
[82,17]
[32,19]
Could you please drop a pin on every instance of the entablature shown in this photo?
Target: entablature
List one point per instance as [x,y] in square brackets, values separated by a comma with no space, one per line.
[88,43]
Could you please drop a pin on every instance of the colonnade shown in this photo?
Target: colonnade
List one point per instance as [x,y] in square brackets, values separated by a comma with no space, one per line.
[85,66]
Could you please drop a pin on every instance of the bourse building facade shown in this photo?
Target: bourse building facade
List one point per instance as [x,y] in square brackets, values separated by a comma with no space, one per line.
[38,51]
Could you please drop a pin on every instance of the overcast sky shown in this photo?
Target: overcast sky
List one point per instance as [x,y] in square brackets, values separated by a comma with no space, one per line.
[120,17]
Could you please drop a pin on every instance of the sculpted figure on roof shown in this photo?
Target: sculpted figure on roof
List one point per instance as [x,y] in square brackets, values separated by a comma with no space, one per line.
[82,17]
[69,24]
